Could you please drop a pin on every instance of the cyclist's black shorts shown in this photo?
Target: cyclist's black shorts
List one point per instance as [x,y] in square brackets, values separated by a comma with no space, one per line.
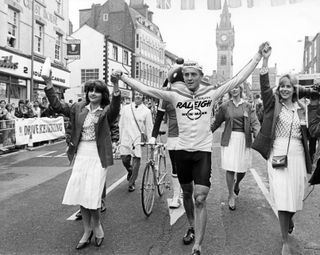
[194,166]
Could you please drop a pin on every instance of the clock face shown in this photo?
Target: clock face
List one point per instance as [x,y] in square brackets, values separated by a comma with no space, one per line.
[224,38]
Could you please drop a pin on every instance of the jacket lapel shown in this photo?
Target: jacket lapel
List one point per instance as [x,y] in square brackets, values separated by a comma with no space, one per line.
[82,116]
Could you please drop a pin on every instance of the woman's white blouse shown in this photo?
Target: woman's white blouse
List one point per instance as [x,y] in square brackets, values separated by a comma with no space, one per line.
[284,123]
[88,133]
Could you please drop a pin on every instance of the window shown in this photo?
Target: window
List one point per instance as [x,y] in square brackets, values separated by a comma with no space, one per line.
[137,70]
[137,41]
[105,17]
[13,22]
[115,53]
[38,37]
[58,47]
[59,7]
[89,74]
[223,60]
[125,57]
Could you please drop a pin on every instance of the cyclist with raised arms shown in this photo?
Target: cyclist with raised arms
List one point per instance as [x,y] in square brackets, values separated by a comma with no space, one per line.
[193,103]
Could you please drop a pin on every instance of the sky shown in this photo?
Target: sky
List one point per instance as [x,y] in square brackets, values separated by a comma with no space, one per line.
[191,33]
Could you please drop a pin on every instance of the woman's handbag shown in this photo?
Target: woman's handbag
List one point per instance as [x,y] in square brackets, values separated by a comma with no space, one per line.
[282,160]
[144,137]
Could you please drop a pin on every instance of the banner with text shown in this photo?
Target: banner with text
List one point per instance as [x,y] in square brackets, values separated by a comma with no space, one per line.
[38,129]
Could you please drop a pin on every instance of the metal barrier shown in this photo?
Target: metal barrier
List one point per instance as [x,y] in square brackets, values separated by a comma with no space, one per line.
[7,134]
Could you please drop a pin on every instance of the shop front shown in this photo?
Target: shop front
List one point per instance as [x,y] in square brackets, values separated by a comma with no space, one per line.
[15,77]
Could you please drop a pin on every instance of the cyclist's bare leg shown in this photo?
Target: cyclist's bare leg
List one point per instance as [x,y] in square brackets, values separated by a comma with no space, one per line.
[188,202]
[200,196]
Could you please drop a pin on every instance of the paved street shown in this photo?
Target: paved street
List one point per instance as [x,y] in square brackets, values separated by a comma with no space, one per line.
[33,220]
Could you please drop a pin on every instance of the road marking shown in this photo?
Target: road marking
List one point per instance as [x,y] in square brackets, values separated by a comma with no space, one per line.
[264,190]
[45,155]
[35,149]
[62,155]
[176,213]
[109,189]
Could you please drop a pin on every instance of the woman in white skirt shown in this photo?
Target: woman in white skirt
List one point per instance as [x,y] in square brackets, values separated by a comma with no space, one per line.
[240,123]
[283,132]
[90,150]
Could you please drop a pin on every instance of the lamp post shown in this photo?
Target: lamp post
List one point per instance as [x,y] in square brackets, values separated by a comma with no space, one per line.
[32,52]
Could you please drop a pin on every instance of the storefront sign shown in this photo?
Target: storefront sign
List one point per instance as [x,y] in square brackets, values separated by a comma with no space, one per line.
[38,130]
[6,62]
[23,69]
[73,49]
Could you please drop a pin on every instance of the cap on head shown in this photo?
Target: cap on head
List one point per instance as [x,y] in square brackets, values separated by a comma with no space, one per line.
[192,64]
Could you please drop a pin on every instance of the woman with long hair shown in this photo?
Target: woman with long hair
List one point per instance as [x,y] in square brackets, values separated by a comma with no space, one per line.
[90,150]
[236,140]
[283,133]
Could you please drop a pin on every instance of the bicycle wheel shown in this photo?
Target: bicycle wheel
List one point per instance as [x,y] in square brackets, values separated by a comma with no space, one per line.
[162,176]
[148,189]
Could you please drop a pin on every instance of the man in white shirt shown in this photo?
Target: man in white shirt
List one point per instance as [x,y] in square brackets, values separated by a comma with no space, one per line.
[135,118]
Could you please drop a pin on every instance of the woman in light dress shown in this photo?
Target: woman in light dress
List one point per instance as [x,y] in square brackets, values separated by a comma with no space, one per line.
[90,150]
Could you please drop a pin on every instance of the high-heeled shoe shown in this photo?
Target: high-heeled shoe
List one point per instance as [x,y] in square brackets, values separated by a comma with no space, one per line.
[84,244]
[98,241]
[291,227]
[232,204]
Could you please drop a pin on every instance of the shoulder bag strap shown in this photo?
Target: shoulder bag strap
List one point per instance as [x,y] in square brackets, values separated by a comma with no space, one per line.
[135,119]
[290,133]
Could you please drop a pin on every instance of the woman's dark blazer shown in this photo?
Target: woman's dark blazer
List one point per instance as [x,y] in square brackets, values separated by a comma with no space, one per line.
[272,108]
[251,122]
[77,114]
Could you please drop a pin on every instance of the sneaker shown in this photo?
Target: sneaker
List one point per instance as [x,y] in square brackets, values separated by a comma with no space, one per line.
[189,236]
[129,175]
[196,252]
[132,188]
[174,203]
[79,215]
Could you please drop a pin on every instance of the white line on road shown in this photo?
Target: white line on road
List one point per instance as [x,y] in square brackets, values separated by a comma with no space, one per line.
[112,187]
[45,155]
[264,190]
[62,155]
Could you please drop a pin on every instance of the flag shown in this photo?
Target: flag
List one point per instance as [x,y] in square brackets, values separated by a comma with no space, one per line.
[234,3]
[250,3]
[164,4]
[187,4]
[278,2]
[214,4]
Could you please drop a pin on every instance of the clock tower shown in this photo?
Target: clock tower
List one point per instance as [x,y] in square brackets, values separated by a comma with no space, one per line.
[225,44]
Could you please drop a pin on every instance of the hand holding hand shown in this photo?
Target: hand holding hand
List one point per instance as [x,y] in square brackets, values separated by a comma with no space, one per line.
[116,76]
[152,140]
[265,49]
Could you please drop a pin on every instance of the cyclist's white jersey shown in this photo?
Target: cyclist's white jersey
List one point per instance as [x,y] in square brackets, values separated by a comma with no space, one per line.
[193,109]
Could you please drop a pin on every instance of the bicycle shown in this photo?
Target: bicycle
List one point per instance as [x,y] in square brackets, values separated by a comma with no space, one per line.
[154,175]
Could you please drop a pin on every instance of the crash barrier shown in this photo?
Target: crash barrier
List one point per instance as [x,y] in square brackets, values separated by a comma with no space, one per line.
[26,132]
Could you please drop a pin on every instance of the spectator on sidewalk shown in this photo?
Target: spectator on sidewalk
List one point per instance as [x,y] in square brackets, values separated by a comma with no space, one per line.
[36,109]
[22,110]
